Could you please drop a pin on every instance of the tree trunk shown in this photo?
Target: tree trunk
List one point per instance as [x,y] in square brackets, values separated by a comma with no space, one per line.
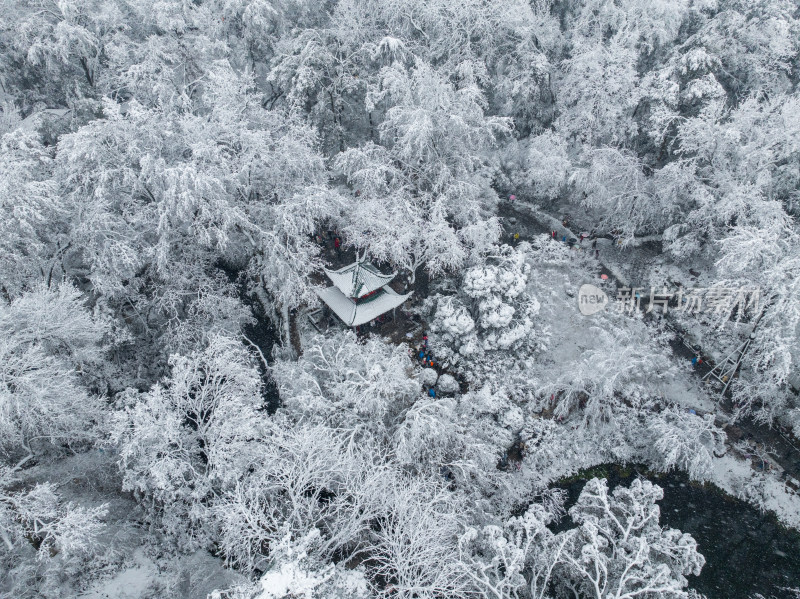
[6,539]
[87,71]
[287,331]
[414,266]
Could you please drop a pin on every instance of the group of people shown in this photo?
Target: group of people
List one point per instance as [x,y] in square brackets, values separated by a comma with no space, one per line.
[328,239]
[554,234]
[582,236]
[425,357]
[508,462]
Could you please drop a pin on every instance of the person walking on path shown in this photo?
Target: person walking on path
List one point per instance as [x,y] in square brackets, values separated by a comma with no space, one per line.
[337,244]
[432,392]
[553,234]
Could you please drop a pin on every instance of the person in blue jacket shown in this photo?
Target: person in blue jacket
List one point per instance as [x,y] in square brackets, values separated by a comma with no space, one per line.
[432,392]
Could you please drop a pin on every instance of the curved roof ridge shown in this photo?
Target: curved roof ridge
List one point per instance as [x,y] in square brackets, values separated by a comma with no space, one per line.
[358,279]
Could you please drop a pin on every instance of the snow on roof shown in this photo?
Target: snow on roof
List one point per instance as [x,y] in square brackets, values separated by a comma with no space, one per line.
[358,279]
[337,301]
[353,314]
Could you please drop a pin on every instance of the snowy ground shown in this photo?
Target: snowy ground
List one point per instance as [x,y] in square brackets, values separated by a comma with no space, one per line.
[764,490]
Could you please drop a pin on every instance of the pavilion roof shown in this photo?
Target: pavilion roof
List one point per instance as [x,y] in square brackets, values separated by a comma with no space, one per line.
[358,279]
[354,313]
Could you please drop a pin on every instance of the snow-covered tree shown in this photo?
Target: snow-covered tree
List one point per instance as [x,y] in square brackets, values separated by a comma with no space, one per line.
[499,561]
[58,50]
[598,94]
[48,544]
[192,436]
[429,180]
[456,436]
[56,319]
[642,25]
[38,516]
[626,363]
[492,315]
[301,478]
[416,541]
[294,573]
[541,166]
[348,384]
[753,42]
[620,550]
[686,441]
[447,383]
[32,229]
[47,338]
[615,184]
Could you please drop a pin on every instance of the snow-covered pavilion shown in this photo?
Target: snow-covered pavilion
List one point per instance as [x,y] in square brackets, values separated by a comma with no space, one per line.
[360,293]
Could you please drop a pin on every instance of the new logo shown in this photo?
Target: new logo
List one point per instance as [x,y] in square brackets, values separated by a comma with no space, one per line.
[591,299]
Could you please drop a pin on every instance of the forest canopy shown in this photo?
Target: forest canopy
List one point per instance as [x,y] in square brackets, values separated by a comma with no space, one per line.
[175,176]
